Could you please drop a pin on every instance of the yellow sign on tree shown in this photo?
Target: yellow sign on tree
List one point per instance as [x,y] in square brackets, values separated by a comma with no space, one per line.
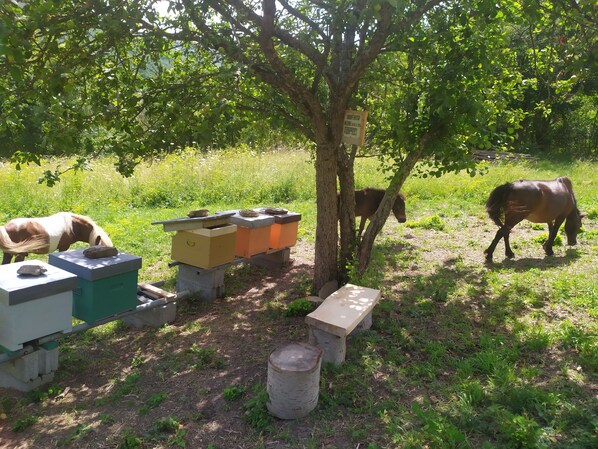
[354,127]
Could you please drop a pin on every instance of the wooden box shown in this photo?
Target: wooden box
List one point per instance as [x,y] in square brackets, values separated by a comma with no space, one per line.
[283,232]
[205,248]
[253,234]
[105,286]
[32,307]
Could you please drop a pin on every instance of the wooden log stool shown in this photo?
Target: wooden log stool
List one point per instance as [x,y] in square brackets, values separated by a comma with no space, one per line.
[294,380]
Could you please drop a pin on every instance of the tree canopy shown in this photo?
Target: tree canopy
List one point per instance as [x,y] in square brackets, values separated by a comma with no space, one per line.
[439,79]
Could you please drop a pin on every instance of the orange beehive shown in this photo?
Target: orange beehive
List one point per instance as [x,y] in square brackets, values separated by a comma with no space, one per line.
[253,234]
[283,233]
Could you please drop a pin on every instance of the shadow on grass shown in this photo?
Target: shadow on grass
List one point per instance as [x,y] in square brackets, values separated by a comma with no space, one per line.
[543,263]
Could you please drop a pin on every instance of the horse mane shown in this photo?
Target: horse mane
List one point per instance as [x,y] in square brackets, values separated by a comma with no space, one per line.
[567,182]
[96,230]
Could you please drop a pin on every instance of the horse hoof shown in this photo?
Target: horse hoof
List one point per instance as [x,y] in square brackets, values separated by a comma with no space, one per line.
[488,259]
[510,255]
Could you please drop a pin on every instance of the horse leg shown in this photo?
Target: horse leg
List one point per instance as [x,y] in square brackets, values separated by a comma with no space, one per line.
[361,225]
[20,257]
[502,231]
[508,251]
[7,258]
[553,229]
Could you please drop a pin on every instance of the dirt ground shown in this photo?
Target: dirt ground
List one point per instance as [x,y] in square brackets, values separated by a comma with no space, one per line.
[93,410]
[235,326]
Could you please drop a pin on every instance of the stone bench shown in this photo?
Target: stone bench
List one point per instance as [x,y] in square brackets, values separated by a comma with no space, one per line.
[346,310]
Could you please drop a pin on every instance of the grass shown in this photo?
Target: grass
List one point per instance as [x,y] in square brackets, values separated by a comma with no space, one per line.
[460,355]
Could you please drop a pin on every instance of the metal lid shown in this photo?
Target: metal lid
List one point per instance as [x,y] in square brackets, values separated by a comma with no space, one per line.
[94,269]
[16,289]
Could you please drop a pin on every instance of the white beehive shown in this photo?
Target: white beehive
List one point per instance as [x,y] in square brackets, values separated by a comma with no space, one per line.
[32,307]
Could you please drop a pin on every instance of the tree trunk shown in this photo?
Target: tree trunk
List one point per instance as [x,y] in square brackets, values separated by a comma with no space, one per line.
[364,251]
[325,265]
[348,242]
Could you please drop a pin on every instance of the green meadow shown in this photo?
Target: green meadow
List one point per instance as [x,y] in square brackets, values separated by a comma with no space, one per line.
[460,355]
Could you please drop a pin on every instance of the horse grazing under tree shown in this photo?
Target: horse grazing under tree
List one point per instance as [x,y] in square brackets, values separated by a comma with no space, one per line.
[43,235]
[550,202]
[367,201]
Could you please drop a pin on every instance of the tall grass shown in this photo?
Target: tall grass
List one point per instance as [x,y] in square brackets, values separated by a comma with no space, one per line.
[169,187]
[460,354]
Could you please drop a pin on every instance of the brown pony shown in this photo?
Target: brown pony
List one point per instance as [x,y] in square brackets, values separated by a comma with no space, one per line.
[550,202]
[43,235]
[367,201]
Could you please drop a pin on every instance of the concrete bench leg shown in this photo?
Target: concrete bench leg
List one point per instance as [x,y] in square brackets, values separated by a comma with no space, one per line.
[364,325]
[334,348]
[207,284]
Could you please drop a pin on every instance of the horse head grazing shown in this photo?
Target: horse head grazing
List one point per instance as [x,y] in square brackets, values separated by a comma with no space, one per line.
[398,208]
[86,230]
[368,200]
[573,226]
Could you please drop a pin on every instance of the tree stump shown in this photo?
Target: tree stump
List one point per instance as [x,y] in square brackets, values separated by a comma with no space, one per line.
[294,380]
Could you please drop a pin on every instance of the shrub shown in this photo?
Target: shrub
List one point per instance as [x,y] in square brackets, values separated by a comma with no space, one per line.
[299,307]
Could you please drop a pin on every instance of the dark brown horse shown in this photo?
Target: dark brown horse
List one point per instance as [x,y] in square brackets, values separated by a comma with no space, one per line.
[550,202]
[367,201]
[21,236]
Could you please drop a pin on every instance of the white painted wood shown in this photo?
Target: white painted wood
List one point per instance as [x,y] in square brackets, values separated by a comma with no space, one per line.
[294,380]
[344,309]
[30,320]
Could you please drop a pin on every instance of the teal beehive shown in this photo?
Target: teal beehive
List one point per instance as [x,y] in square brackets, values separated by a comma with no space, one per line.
[105,286]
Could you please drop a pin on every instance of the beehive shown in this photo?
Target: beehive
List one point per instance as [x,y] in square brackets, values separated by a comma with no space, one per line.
[283,232]
[32,307]
[253,234]
[205,247]
[105,286]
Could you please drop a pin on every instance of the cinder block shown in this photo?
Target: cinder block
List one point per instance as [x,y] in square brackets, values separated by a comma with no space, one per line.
[156,317]
[30,371]
[8,381]
[48,358]
[273,260]
[207,284]
[24,368]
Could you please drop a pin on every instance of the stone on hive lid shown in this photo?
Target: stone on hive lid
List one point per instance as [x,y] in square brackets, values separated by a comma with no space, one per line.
[251,222]
[16,288]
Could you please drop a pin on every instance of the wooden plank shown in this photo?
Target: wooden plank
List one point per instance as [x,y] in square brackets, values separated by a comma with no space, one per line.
[343,310]
[155,290]
[184,224]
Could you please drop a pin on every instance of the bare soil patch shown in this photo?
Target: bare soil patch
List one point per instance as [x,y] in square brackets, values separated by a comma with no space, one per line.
[212,347]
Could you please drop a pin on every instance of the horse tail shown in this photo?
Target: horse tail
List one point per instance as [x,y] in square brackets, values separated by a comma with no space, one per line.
[32,244]
[496,202]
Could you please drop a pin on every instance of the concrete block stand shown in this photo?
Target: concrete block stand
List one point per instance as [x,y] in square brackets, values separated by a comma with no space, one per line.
[32,370]
[207,284]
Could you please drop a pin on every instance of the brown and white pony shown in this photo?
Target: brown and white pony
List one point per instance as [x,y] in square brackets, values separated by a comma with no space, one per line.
[44,235]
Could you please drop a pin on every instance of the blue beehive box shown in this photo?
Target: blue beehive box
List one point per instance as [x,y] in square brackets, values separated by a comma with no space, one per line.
[105,286]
